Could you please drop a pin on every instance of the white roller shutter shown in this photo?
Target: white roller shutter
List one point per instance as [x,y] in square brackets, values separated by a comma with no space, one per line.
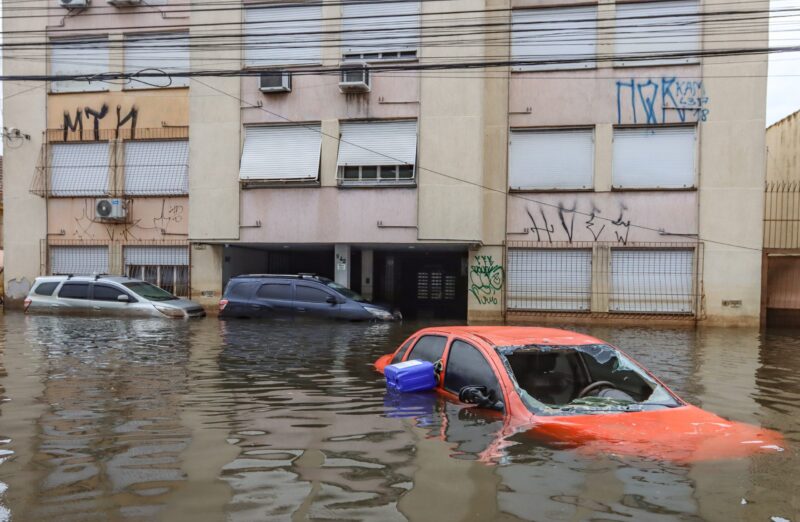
[551,159]
[79,169]
[380,26]
[657,28]
[565,34]
[281,152]
[282,35]
[549,279]
[78,260]
[85,58]
[156,167]
[654,158]
[156,255]
[652,281]
[378,143]
[165,52]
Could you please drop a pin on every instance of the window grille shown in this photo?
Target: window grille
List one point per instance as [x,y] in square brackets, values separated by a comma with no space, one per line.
[549,279]
[652,281]
[435,285]
[166,267]
[156,167]
[78,260]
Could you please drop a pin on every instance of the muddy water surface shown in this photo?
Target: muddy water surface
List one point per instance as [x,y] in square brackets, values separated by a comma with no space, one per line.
[109,419]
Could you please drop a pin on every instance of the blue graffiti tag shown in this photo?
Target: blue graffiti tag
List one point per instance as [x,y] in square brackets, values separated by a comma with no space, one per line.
[658,98]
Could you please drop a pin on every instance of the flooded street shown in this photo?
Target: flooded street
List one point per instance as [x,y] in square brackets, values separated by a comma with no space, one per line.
[112,419]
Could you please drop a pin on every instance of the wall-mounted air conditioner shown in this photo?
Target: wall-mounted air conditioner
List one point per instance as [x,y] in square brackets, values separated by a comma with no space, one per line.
[276,81]
[74,4]
[125,3]
[354,77]
[111,209]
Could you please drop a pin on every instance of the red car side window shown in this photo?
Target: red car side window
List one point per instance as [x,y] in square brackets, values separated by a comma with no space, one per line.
[466,366]
[401,352]
[429,348]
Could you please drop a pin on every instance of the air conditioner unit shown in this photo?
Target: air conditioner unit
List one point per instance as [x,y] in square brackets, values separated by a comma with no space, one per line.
[354,77]
[125,3]
[110,209]
[276,81]
[74,4]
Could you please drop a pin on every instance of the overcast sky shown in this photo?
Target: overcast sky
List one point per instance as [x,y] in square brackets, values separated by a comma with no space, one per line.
[783,86]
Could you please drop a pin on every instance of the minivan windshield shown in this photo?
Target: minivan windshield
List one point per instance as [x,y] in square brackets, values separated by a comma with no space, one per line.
[582,379]
[343,290]
[149,292]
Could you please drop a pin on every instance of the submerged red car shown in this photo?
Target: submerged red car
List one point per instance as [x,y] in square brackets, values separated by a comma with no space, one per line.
[572,389]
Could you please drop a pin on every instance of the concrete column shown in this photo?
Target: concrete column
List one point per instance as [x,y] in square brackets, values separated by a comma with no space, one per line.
[601,274]
[486,285]
[342,264]
[367,274]
[206,275]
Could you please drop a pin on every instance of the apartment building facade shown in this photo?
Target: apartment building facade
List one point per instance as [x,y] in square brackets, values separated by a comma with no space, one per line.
[604,160]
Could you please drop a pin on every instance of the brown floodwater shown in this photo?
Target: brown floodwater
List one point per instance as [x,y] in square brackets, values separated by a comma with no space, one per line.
[113,419]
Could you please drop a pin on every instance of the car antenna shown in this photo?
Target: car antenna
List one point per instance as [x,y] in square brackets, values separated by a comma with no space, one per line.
[69,276]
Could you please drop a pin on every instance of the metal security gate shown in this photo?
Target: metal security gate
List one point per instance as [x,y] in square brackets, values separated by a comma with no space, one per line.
[166,267]
[78,260]
[549,279]
[652,281]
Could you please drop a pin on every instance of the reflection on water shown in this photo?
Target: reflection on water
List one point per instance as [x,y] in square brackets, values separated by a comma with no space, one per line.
[114,419]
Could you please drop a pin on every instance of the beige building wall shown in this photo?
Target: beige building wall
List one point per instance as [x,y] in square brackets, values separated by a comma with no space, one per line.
[783,149]
[25,214]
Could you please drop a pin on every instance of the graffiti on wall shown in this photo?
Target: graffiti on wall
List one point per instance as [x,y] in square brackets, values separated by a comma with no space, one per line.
[560,222]
[485,280]
[667,99]
[93,117]
[87,227]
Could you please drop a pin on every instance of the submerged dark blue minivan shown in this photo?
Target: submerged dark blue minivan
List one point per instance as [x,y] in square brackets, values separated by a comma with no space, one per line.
[265,295]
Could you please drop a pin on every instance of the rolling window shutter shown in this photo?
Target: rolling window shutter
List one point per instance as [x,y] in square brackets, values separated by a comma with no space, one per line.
[656,28]
[79,169]
[549,279]
[78,260]
[378,143]
[165,52]
[156,167]
[651,281]
[83,58]
[283,35]
[565,35]
[281,152]
[654,158]
[156,255]
[551,159]
[380,26]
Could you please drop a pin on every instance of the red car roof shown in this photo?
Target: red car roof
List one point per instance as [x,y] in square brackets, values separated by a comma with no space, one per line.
[518,335]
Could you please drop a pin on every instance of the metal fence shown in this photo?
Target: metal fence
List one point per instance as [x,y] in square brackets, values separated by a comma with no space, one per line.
[661,279]
[782,215]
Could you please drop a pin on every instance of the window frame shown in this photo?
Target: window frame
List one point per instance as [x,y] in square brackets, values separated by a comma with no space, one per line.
[519,131]
[616,187]
[298,285]
[574,66]
[135,85]
[497,376]
[75,284]
[87,40]
[118,290]
[396,181]
[287,284]
[423,336]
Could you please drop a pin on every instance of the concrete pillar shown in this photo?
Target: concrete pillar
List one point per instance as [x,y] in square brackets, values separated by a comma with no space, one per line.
[342,264]
[206,274]
[367,274]
[486,285]
[601,278]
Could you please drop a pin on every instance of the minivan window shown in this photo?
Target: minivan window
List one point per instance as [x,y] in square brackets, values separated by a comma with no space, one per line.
[307,294]
[149,292]
[74,290]
[466,366]
[240,290]
[275,291]
[45,288]
[106,293]
[429,348]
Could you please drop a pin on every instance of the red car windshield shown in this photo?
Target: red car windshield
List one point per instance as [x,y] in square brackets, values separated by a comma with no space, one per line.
[582,379]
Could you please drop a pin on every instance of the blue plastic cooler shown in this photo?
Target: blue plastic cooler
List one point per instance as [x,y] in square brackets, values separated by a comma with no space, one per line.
[410,376]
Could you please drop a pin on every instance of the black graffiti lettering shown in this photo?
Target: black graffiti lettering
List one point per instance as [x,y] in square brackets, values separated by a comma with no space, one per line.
[567,229]
[132,115]
[97,115]
[590,223]
[622,238]
[73,126]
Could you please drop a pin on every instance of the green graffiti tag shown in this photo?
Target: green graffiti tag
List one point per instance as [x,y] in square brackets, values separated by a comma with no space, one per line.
[486,279]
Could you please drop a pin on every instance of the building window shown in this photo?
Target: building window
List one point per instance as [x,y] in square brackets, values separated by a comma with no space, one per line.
[652,281]
[554,38]
[282,35]
[657,33]
[551,159]
[157,52]
[155,168]
[377,153]
[549,279]
[166,267]
[78,260]
[654,157]
[363,36]
[281,153]
[79,169]
[84,58]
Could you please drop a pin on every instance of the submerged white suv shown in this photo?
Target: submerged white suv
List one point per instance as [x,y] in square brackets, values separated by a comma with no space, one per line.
[106,295]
